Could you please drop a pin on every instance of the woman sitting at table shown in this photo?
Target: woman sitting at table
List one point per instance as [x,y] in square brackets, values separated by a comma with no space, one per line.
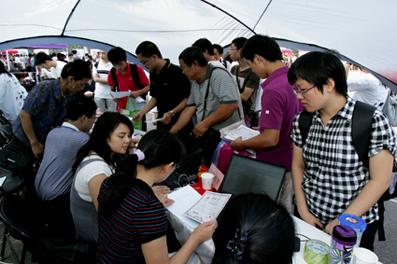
[132,221]
[254,229]
[95,161]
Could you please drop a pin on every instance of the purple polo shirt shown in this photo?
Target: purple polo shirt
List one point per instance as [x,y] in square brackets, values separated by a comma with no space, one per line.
[279,107]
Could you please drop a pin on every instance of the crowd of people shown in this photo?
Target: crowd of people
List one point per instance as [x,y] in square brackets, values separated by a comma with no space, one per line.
[98,186]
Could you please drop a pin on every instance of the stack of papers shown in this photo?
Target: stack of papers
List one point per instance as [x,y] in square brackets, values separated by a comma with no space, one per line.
[242,131]
[118,95]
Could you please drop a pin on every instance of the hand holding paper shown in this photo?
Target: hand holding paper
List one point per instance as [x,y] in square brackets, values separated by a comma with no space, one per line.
[208,207]
[118,95]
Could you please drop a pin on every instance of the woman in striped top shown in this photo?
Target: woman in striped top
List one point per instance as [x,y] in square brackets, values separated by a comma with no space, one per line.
[132,221]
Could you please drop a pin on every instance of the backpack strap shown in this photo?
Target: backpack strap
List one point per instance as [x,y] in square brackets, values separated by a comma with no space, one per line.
[361,130]
[114,78]
[208,89]
[135,76]
[305,121]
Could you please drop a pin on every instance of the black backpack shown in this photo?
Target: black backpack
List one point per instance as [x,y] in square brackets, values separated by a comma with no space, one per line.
[361,133]
[361,128]
[134,74]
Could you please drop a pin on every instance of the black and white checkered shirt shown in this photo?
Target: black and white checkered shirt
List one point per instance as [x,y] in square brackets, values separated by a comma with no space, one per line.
[334,175]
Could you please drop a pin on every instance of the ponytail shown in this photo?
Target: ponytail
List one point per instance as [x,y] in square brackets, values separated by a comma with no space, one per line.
[119,184]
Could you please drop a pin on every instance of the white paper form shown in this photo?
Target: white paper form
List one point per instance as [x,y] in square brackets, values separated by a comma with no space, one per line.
[118,95]
[184,198]
[242,132]
[208,207]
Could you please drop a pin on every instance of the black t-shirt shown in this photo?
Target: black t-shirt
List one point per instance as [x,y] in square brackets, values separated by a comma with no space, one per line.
[170,86]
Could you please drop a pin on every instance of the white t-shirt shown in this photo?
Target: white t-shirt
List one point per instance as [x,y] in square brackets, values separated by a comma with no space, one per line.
[12,96]
[366,88]
[102,90]
[217,63]
[89,171]
[58,69]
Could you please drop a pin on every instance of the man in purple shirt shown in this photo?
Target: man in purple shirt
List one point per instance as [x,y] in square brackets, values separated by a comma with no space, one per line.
[279,103]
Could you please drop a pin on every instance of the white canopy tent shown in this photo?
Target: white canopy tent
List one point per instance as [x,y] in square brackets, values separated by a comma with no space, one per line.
[360,30]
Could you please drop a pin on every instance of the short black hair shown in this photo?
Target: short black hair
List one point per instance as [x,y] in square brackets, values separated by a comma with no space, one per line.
[239,42]
[191,54]
[41,58]
[264,46]
[116,55]
[148,49]
[218,48]
[317,67]
[204,45]
[80,105]
[79,69]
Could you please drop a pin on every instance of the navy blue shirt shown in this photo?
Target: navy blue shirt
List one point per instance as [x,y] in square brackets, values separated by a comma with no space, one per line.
[47,108]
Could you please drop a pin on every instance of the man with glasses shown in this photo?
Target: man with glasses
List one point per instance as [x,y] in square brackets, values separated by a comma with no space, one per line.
[169,87]
[279,103]
[125,79]
[329,177]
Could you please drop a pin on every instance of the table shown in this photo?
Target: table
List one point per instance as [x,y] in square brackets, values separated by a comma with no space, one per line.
[186,197]
[301,227]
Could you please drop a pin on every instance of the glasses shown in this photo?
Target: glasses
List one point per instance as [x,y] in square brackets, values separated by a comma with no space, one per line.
[145,61]
[303,91]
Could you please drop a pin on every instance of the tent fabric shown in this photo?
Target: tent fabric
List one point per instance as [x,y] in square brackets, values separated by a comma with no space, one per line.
[362,31]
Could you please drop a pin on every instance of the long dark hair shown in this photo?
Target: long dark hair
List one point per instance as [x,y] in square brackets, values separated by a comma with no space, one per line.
[103,129]
[254,229]
[3,69]
[159,146]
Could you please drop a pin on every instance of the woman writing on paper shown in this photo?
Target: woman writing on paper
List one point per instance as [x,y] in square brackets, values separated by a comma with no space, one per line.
[132,221]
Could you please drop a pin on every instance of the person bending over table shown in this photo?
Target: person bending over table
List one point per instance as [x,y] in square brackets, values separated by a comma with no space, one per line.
[132,221]
[254,229]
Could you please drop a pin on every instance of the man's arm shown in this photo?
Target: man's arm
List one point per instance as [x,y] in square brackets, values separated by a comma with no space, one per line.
[222,113]
[98,79]
[380,171]
[248,91]
[149,106]
[268,138]
[140,92]
[27,126]
[184,119]
[168,116]
[297,170]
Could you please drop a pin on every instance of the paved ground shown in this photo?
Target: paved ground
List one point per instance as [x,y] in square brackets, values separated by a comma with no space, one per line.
[386,250]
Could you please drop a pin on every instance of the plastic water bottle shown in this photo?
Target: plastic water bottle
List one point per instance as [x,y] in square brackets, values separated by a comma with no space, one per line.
[343,240]
[355,222]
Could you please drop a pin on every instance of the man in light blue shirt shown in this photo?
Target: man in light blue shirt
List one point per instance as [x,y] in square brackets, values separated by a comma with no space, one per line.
[54,177]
